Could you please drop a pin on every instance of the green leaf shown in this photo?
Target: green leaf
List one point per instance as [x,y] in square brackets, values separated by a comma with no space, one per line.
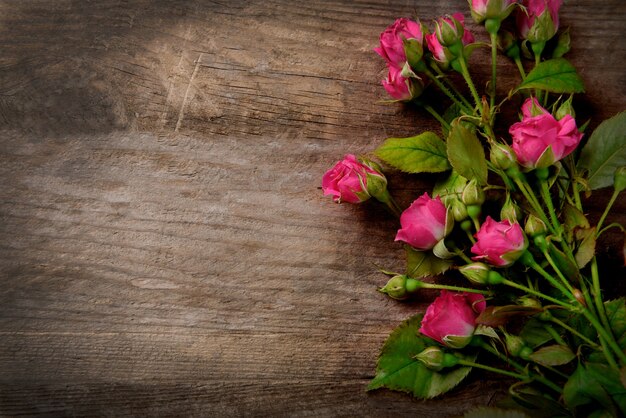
[581,389]
[587,248]
[424,153]
[616,314]
[535,403]
[610,381]
[466,153]
[572,220]
[556,75]
[553,355]
[534,333]
[605,151]
[451,188]
[490,412]
[424,263]
[451,113]
[397,368]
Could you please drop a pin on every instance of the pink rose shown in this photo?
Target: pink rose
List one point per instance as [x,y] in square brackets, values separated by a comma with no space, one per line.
[449,30]
[397,86]
[491,9]
[499,243]
[424,223]
[540,140]
[534,24]
[451,318]
[347,180]
[392,41]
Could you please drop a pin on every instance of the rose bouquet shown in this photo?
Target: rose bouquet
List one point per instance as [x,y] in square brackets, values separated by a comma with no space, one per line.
[505,217]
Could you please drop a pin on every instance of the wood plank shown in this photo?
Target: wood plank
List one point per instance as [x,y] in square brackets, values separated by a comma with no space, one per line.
[164,246]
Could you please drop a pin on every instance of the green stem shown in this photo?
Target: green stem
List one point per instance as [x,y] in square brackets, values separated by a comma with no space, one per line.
[520,368]
[551,279]
[534,292]
[492,369]
[436,115]
[447,92]
[606,210]
[574,332]
[597,296]
[534,203]
[606,338]
[453,288]
[465,103]
[546,254]
[494,56]
[545,194]
[554,334]
[468,79]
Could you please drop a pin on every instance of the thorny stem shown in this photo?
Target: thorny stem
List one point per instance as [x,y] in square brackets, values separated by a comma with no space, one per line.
[453,288]
[436,115]
[574,332]
[606,210]
[494,55]
[492,369]
[447,92]
[468,79]
[537,293]
[466,103]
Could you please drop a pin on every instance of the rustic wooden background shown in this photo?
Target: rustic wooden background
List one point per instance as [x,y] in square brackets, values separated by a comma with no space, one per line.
[164,245]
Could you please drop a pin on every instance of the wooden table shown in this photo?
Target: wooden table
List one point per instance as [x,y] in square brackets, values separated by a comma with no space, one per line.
[165,246]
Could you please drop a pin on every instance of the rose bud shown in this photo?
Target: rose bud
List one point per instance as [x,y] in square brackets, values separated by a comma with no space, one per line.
[502,156]
[496,10]
[538,21]
[539,140]
[431,357]
[566,108]
[476,273]
[424,223]
[449,31]
[347,181]
[499,243]
[534,226]
[400,87]
[392,41]
[451,318]
[396,287]
[510,210]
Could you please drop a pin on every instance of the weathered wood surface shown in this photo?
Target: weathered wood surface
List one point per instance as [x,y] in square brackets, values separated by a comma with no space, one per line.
[164,247]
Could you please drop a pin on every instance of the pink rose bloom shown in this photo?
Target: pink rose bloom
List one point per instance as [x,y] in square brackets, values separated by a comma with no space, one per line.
[491,9]
[398,86]
[347,180]
[540,140]
[391,41]
[424,223]
[451,318]
[533,25]
[499,243]
[447,25]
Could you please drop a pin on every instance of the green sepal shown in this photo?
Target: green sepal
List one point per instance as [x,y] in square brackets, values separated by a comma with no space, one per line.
[587,247]
[466,153]
[398,369]
[424,153]
[556,76]
[424,263]
[605,151]
[562,44]
[496,316]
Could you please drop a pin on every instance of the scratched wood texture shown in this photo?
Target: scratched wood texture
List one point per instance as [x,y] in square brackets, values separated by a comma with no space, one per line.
[164,245]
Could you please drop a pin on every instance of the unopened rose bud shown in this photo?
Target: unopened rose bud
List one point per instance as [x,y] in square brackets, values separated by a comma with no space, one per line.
[534,226]
[376,183]
[446,44]
[426,222]
[476,273]
[529,302]
[539,20]
[396,287]
[473,194]
[619,179]
[449,30]
[510,210]
[458,210]
[565,109]
[499,243]
[514,344]
[502,156]
[432,357]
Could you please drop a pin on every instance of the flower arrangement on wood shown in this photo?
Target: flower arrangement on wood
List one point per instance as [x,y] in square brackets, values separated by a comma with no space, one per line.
[506,216]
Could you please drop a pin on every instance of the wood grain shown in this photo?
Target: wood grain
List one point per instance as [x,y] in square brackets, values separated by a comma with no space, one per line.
[164,246]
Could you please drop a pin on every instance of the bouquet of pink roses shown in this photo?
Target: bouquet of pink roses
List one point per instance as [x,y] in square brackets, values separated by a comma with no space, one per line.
[505,215]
